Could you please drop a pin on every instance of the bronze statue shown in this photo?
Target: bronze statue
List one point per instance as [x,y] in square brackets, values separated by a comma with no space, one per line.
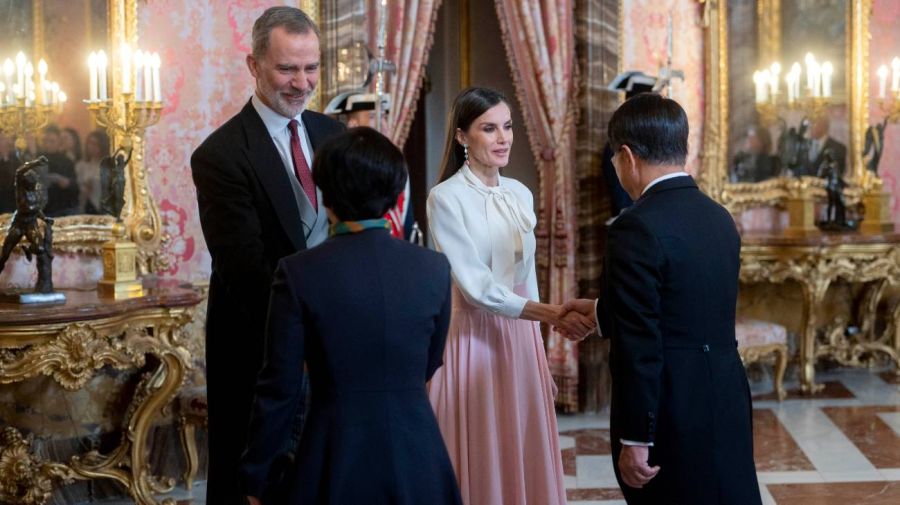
[875,145]
[26,223]
[836,211]
[112,182]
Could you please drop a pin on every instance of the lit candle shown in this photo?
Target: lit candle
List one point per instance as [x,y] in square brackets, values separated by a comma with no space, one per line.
[796,70]
[827,70]
[775,69]
[2,94]
[101,73]
[126,69]
[789,84]
[816,74]
[92,70]
[29,83]
[54,92]
[139,89]
[42,74]
[148,77]
[8,70]
[157,90]
[810,61]
[895,82]
[20,69]
[62,99]
[758,94]
[882,81]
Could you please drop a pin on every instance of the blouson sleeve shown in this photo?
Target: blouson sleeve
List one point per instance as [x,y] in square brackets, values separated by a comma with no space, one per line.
[473,277]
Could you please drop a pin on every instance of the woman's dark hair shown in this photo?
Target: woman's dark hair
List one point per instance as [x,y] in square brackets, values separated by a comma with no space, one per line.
[655,128]
[102,141]
[361,173]
[469,104]
[77,141]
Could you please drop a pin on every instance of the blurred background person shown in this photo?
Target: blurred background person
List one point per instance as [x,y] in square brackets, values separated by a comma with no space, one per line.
[87,171]
[754,161]
[60,180]
[70,142]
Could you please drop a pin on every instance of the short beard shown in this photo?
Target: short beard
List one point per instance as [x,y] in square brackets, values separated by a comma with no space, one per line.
[279,104]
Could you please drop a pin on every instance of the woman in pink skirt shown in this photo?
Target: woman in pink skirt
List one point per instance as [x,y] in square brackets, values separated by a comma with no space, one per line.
[493,397]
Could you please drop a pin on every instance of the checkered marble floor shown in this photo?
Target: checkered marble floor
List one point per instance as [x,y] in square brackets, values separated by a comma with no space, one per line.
[840,447]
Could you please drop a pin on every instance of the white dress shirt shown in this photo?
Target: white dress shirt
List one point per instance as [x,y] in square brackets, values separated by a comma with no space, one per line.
[277,126]
[487,234]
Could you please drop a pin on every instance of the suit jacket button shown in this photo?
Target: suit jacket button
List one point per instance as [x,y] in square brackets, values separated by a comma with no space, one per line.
[705,348]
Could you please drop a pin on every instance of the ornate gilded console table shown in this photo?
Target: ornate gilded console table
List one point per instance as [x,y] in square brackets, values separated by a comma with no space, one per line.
[815,260]
[70,343]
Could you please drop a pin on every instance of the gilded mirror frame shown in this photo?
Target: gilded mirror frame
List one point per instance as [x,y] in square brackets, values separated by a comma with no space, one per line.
[714,167]
[85,234]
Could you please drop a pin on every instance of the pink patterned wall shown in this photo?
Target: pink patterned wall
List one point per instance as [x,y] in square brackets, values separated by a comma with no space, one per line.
[884,46]
[205,80]
[644,23]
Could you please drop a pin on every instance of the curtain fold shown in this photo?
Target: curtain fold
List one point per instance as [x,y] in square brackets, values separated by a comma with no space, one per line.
[410,34]
[540,47]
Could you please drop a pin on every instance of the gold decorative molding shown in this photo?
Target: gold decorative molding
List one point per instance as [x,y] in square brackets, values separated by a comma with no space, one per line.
[815,267]
[24,478]
[714,167]
[85,234]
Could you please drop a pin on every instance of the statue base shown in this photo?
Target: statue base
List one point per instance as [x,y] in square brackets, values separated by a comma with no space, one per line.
[120,290]
[23,297]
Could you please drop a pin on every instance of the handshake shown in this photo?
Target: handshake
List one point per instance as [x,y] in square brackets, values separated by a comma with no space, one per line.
[575,319]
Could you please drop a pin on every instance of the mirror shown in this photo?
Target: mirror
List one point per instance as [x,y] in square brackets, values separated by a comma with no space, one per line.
[63,33]
[786,137]
[774,132]
[59,32]
[345,41]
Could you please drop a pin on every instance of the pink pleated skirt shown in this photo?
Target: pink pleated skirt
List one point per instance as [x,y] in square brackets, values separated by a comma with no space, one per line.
[493,399]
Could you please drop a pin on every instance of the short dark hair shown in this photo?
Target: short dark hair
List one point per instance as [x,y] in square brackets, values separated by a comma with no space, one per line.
[654,127]
[361,173]
[291,19]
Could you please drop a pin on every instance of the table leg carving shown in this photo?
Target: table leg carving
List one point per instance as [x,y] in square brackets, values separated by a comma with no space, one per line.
[814,290]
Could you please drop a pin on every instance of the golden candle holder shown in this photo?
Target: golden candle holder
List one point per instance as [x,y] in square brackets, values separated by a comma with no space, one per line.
[891,108]
[21,118]
[129,119]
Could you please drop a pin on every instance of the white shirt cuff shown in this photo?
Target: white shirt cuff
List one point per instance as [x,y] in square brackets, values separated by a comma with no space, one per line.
[632,442]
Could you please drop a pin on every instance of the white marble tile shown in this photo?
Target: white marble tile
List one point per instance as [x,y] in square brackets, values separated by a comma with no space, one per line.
[826,446]
[854,476]
[566,422]
[869,387]
[804,477]
[890,473]
[566,442]
[767,498]
[892,419]
[570,481]
[595,471]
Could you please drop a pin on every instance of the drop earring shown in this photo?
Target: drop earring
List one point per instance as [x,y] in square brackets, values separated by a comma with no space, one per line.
[466,153]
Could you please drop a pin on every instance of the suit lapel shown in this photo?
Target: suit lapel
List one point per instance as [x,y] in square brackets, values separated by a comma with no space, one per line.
[266,162]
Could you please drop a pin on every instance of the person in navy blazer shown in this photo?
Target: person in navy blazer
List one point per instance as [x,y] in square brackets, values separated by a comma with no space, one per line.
[368,315]
[680,414]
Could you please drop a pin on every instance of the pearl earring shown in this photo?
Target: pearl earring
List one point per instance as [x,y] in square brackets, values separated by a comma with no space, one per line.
[466,153]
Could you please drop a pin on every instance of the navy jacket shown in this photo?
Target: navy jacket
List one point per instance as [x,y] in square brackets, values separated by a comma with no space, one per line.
[368,314]
[668,300]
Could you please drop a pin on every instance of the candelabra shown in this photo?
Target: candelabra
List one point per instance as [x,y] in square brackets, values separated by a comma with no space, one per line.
[811,107]
[129,119]
[21,118]
[891,108]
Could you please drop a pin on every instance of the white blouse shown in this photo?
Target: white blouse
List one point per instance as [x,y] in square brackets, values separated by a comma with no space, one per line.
[487,233]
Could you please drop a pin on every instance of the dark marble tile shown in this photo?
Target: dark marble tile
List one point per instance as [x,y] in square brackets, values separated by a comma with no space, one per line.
[839,493]
[773,447]
[874,438]
[594,494]
[833,390]
[568,461]
[890,377]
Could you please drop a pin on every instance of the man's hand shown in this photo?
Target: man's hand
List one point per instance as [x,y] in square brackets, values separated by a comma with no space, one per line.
[577,319]
[252,500]
[633,466]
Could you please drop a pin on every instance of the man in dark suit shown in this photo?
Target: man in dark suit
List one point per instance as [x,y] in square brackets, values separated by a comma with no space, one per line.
[820,144]
[680,418]
[257,204]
